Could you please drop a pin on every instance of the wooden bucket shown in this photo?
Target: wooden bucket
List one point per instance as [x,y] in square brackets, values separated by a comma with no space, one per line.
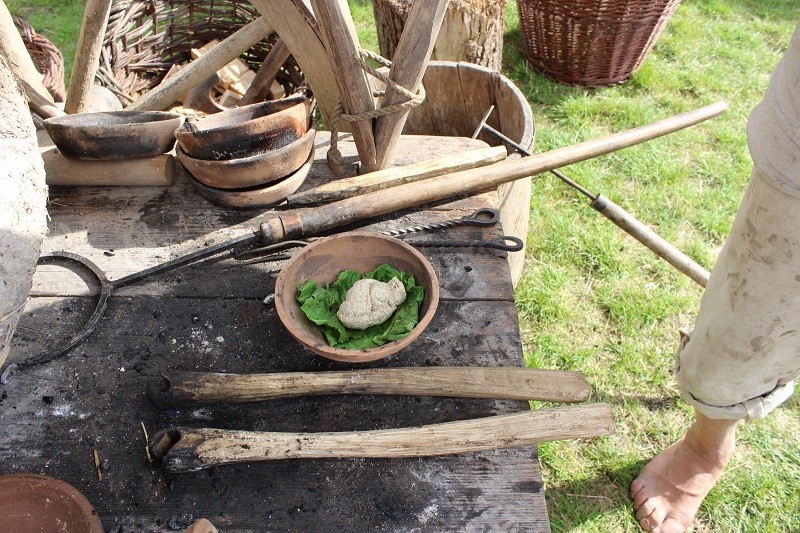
[458,94]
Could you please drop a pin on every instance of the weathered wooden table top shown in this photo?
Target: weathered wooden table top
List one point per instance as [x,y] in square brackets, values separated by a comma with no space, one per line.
[212,317]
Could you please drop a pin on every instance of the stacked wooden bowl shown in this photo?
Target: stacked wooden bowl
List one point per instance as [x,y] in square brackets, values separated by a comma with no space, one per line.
[252,156]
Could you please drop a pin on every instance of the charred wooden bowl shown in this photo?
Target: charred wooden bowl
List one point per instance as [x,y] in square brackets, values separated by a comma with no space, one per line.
[323,260]
[252,171]
[114,134]
[243,131]
[252,197]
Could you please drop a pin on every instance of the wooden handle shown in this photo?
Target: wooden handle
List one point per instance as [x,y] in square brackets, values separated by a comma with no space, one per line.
[189,449]
[266,74]
[651,239]
[339,33]
[390,177]
[203,67]
[179,388]
[408,67]
[298,223]
[87,55]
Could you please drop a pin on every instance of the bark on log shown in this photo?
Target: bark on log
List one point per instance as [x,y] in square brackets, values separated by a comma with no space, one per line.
[23,196]
[472,30]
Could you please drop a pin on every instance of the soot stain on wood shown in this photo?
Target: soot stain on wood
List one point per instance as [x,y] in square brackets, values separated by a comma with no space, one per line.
[98,403]
[159,212]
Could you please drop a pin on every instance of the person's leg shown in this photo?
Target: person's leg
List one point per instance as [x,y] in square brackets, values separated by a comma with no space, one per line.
[670,489]
[744,353]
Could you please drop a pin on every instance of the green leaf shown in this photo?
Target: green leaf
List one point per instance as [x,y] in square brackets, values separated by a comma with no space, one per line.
[321,304]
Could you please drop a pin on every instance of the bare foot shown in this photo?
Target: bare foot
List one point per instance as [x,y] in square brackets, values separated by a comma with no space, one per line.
[670,489]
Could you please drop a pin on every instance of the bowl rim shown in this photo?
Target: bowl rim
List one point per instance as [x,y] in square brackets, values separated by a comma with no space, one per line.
[184,131]
[253,197]
[68,121]
[180,152]
[366,354]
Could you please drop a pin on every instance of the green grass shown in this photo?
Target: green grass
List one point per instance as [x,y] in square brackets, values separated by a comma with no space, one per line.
[595,301]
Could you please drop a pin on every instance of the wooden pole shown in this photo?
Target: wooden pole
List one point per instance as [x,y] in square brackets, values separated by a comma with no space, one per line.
[203,67]
[191,449]
[393,176]
[297,27]
[41,105]
[511,383]
[266,74]
[87,55]
[652,240]
[301,222]
[408,68]
[19,60]
[339,33]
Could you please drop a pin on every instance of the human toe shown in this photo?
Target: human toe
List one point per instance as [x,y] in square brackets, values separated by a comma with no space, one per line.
[672,525]
[636,487]
[645,509]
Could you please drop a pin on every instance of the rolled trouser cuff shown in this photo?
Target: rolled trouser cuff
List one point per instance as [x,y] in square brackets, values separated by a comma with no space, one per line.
[748,410]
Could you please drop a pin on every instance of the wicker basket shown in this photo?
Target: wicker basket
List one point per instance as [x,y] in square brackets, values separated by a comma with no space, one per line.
[591,42]
[145,38]
[46,57]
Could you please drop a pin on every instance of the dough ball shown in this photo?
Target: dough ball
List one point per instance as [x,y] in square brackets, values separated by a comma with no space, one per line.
[370,302]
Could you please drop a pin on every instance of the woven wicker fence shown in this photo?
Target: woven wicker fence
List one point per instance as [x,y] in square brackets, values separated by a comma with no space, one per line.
[591,42]
[46,57]
[145,38]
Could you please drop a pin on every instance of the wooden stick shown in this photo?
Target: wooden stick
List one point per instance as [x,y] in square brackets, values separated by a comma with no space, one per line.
[19,60]
[87,55]
[657,244]
[339,33]
[299,222]
[297,27]
[410,61]
[203,67]
[180,388]
[392,176]
[157,171]
[266,74]
[37,102]
[189,449]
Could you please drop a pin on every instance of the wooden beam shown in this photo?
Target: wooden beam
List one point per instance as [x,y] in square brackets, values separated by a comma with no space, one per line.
[341,40]
[408,67]
[297,27]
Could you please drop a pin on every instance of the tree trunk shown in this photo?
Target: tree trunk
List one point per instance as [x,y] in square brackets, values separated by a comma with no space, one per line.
[472,30]
[23,196]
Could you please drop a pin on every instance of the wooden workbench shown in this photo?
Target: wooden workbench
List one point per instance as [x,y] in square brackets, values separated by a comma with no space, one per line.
[212,317]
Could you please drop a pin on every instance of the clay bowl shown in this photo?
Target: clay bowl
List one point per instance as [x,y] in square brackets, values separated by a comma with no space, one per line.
[323,260]
[253,197]
[114,134]
[252,171]
[33,502]
[246,130]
